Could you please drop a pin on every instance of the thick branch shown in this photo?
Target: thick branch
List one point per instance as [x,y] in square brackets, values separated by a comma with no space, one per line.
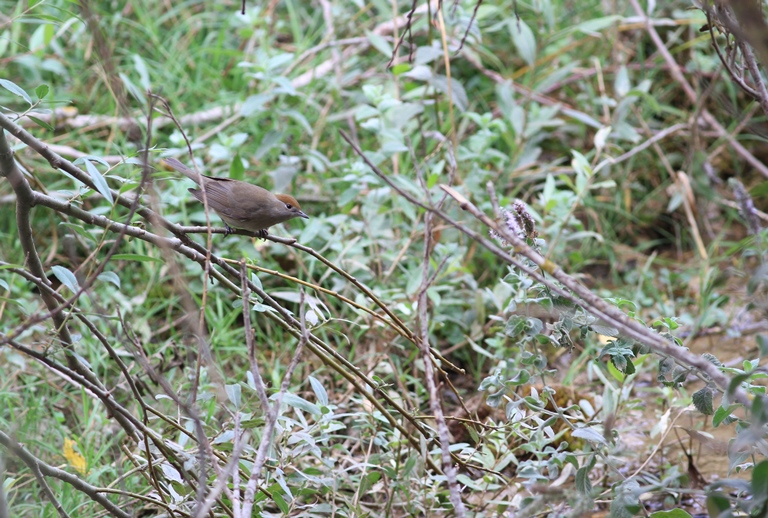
[25,200]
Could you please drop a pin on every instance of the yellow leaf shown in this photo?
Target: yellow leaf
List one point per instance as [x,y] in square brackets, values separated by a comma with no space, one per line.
[74,458]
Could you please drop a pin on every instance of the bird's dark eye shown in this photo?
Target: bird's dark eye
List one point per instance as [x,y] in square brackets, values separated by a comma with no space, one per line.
[288,206]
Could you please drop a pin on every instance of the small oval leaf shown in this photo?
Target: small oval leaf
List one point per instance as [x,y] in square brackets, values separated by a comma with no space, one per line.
[98,180]
[589,434]
[110,277]
[66,277]
[15,89]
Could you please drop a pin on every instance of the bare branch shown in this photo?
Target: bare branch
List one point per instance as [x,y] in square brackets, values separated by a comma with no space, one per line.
[266,438]
[261,390]
[40,469]
[429,374]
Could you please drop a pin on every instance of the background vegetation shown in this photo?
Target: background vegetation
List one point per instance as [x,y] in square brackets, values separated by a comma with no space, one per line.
[594,313]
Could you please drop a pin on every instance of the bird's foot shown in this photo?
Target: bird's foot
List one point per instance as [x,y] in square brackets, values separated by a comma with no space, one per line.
[227,230]
[262,233]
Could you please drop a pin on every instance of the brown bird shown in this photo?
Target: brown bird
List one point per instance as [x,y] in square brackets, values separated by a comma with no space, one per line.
[241,204]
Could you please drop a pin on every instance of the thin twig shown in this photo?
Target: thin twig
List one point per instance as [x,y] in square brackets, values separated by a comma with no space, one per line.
[41,468]
[261,390]
[429,374]
[266,439]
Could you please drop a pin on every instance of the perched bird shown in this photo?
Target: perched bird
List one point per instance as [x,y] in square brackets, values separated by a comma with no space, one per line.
[241,204]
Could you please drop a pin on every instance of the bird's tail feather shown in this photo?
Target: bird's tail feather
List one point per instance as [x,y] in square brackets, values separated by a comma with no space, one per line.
[186,171]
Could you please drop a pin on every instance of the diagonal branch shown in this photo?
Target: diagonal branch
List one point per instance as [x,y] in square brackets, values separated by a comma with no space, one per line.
[575,292]
[41,469]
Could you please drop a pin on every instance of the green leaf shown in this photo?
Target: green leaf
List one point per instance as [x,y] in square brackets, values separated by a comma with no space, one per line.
[368,481]
[583,484]
[298,117]
[5,40]
[261,308]
[256,281]
[269,141]
[319,390]
[493,400]
[597,24]
[98,179]
[458,94]
[41,37]
[679,375]
[524,40]
[620,362]
[281,503]
[79,230]
[14,89]
[418,73]
[762,344]
[724,415]
[400,68]
[626,502]
[702,400]
[171,473]
[718,504]
[602,136]
[760,481]
[224,438]
[236,168]
[580,164]
[621,82]
[735,382]
[589,434]
[41,123]
[379,43]
[141,68]
[300,403]
[615,371]
[134,90]
[758,409]
[521,378]
[283,86]
[255,104]
[533,326]
[426,54]
[66,277]
[110,277]
[233,393]
[712,359]
[41,91]
[759,190]
[674,513]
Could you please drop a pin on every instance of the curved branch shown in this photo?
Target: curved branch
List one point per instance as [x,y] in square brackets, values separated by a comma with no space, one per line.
[25,200]
[42,468]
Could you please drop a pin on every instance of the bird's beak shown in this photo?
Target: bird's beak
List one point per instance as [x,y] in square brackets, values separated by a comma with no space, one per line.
[302,215]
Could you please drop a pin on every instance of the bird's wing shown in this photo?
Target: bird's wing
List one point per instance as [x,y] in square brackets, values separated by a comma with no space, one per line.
[234,200]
